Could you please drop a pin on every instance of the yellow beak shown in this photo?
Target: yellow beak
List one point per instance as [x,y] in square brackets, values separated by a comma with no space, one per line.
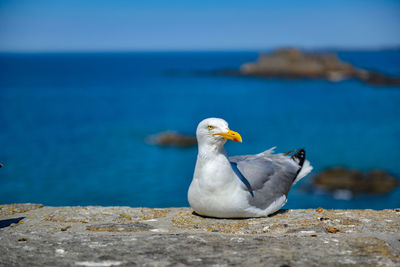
[231,135]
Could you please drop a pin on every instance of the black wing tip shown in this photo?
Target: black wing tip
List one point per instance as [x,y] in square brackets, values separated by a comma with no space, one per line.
[300,156]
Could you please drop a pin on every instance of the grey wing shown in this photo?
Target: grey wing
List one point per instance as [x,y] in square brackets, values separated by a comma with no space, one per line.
[269,176]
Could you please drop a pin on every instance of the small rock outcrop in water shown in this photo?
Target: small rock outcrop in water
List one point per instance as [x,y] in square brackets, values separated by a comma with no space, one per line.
[292,63]
[172,138]
[374,182]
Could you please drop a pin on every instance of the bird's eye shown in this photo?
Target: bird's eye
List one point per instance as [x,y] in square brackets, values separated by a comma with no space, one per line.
[210,127]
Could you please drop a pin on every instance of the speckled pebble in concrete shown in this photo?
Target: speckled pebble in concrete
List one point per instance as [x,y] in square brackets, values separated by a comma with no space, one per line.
[33,235]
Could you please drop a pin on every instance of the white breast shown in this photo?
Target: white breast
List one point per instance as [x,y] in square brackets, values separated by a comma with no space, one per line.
[215,190]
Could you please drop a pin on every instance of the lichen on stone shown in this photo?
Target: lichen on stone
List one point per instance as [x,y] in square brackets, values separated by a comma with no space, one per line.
[111,227]
[123,215]
[63,219]
[148,214]
[189,221]
[11,209]
[371,246]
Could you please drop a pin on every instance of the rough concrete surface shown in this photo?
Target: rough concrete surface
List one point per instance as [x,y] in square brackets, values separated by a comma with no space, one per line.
[34,235]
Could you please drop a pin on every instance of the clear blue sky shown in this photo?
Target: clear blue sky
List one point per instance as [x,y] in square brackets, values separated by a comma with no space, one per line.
[98,25]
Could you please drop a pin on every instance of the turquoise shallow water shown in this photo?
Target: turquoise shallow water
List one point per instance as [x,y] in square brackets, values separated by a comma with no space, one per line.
[72,126]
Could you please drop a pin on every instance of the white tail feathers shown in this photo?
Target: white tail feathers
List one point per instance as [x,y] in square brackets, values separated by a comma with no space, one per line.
[306,169]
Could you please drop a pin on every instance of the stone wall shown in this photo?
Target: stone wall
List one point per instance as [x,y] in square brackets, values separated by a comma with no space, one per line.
[34,235]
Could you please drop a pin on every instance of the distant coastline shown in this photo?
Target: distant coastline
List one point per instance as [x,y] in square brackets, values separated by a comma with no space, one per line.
[326,49]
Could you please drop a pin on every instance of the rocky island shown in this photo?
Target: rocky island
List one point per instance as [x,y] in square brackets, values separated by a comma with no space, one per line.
[357,182]
[37,235]
[293,63]
[172,138]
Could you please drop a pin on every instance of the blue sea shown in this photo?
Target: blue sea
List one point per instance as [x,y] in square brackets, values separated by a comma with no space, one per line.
[73,125]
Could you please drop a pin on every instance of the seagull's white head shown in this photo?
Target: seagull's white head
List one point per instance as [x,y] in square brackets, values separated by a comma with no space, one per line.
[215,132]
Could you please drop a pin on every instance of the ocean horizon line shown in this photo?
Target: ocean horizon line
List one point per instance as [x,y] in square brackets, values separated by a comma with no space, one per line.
[215,50]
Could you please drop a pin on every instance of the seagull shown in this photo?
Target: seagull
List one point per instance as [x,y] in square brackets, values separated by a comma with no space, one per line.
[241,186]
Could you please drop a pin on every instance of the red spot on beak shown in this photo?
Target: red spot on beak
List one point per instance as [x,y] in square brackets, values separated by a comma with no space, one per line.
[235,139]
